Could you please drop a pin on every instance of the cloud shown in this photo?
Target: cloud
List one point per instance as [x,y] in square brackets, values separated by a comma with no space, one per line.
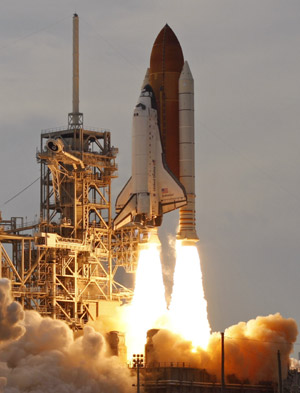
[40,355]
[11,313]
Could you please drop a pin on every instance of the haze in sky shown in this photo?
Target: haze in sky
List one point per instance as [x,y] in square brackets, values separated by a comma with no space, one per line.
[244,56]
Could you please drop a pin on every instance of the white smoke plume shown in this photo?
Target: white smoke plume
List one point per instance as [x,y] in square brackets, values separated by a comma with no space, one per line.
[40,355]
[168,261]
[295,364]
[10,314]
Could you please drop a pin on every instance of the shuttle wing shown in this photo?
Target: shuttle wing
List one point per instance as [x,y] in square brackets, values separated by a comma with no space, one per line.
[127,213]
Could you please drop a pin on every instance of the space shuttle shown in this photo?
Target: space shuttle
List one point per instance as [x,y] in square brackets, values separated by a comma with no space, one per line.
[152,190]
[163,144]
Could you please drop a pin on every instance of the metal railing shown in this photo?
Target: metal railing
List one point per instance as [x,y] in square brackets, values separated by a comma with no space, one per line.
[65,128]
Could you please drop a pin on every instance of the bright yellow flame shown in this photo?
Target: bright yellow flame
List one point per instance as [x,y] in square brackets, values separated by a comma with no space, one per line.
[188,307]
[148,304]
[187,314]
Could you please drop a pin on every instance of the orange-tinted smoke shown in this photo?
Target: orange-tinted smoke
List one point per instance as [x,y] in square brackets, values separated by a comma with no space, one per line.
[250,349]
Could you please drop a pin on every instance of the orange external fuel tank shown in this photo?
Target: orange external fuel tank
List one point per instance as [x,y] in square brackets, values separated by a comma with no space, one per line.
[166,64]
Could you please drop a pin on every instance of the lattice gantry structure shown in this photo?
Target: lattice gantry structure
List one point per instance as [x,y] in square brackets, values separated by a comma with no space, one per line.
[66,269]
[77,167]
[64,265]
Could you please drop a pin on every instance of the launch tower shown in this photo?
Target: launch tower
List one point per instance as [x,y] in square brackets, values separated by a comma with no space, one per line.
[66,267]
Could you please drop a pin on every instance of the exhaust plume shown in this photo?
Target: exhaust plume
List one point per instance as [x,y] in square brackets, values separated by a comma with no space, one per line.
[148,305]
[40,355]
[188,307]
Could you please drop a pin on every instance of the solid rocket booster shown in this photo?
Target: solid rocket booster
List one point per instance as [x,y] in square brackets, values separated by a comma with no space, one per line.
[187,221]
[152,189]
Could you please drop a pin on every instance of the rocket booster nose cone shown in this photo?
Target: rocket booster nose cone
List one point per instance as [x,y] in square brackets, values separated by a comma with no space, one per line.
[166,52]
[186,72]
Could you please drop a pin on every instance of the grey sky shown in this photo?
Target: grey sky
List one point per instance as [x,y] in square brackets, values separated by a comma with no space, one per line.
[244,56]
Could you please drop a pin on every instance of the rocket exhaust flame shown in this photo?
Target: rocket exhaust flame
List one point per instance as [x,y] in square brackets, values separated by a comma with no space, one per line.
[187,315]
[148,304]
[188,308]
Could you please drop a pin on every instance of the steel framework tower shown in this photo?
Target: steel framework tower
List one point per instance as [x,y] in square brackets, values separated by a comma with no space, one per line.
[77,167]
[66,268]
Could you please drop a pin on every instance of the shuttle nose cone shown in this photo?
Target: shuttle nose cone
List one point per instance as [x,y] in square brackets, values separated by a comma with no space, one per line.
[148,92]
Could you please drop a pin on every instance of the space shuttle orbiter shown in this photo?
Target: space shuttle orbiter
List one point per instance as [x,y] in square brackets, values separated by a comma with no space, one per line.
[152,189]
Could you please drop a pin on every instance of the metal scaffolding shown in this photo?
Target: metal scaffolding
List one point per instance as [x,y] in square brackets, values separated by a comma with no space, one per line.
[66,268]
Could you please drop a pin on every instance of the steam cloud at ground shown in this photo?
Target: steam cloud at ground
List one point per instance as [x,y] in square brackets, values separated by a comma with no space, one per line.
[41,355]
[250,349]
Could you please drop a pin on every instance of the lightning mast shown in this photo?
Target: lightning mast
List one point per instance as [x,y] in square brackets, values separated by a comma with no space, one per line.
[75,118]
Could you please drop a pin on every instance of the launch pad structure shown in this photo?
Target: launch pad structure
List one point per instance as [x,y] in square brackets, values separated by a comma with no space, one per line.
[64,266]
[66,269]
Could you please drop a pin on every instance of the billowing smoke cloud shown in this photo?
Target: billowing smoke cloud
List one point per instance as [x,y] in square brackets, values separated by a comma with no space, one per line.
[10,314]
[294,364]
[41,355]
[250,349]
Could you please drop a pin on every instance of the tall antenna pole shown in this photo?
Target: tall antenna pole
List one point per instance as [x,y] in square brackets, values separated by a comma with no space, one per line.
[75,118]
[75,64]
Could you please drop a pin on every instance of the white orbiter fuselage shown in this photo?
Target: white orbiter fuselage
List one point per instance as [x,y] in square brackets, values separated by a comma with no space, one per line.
[152,189]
